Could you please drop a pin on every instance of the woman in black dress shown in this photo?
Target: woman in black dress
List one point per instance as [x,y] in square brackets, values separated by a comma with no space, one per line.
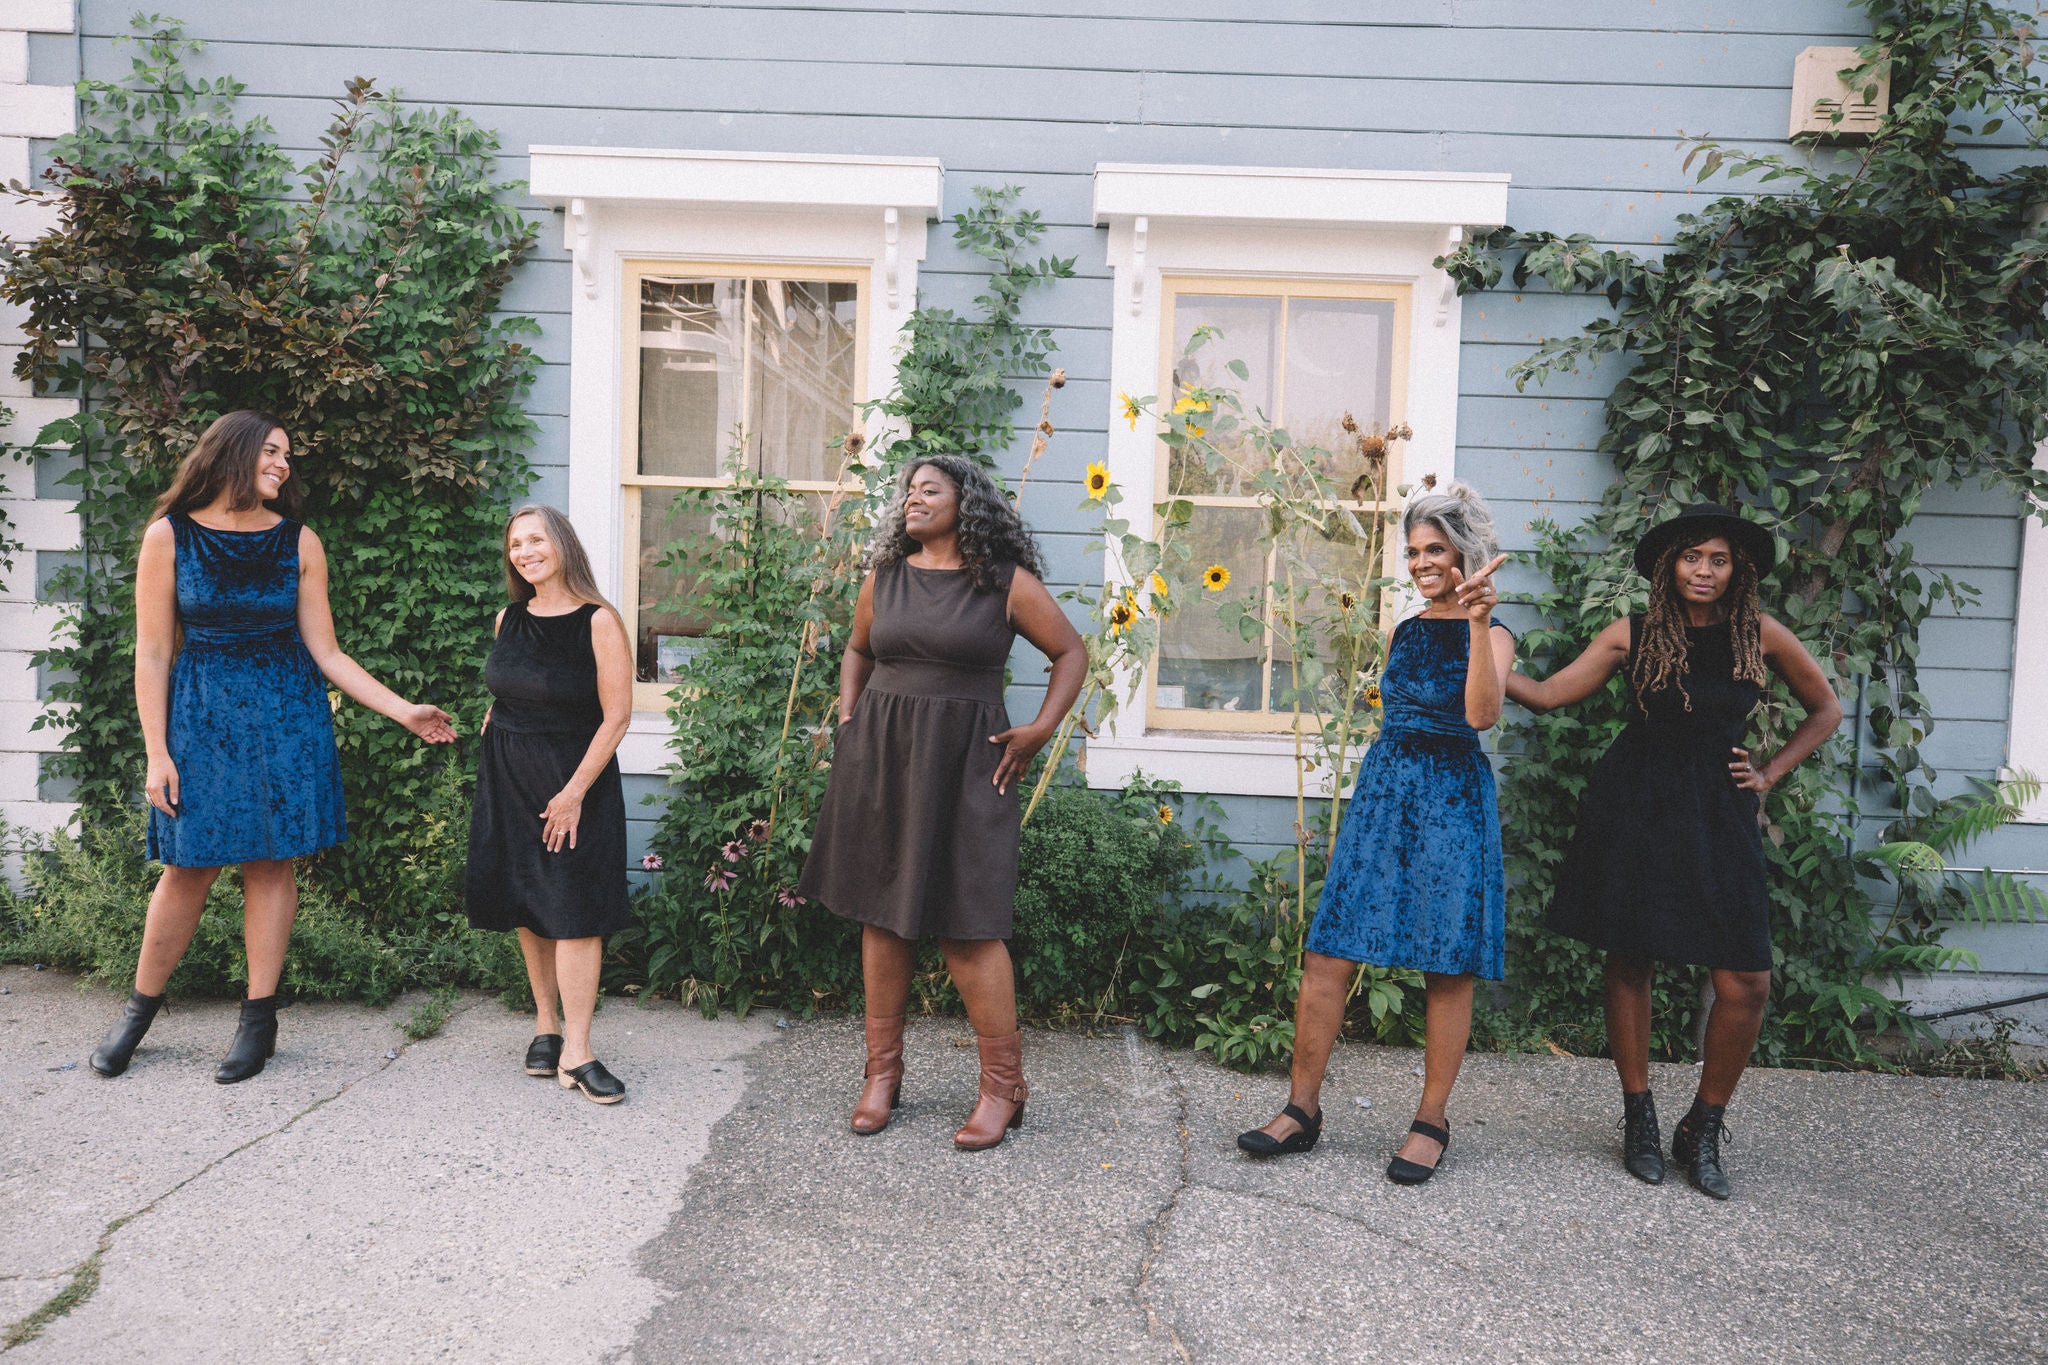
[1668,861]
[918,830]
[547,837]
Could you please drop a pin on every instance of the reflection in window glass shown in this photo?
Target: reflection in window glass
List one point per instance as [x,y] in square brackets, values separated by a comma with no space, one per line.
[1246,329]
[775,359]
[1340,358]
[669,633]
[1205,665]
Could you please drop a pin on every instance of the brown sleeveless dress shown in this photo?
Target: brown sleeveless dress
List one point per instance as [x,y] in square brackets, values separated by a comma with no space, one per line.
[912,836]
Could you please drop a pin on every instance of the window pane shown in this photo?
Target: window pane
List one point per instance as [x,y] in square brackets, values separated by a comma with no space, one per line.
[690,374]
[1248,330]
[668,630]
[1327,572]
[1340,358]
[1203,664]
[776,355]
[802,339]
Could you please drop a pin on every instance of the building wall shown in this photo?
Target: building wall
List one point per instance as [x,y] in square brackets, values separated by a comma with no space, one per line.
[1581,105]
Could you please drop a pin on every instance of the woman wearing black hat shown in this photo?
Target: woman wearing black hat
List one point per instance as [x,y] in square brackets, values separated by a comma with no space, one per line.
[1668,862]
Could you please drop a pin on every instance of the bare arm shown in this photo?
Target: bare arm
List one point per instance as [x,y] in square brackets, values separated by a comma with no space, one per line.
[156,633]
[1039,619]
[615,693]
[857,664]
[1577,680]
[1790,661]
[316,628]
[1487,659]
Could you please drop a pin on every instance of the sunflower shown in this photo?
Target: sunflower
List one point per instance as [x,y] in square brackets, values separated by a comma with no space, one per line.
[1188,405]
[1098,479]
[1131,410]
[1159,586]
[1166,815]
[1372,695]
[1215,578]
[1194,430]
[1123,614]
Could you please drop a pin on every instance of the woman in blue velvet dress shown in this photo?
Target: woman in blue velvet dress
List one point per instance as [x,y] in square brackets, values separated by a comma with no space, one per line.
[232,639]
[1415,880]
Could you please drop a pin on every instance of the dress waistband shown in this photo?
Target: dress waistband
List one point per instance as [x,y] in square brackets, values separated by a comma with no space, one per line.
[216,636]
[932,678]
[1418,720]
[517,717]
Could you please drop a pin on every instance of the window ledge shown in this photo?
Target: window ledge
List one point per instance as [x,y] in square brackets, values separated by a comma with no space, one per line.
[1207,762]
[644,751]
[1280,194]
[753,180]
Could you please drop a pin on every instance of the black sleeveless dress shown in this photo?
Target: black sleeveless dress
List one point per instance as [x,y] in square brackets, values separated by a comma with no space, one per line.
[912,835]
[1668,861]
[544,709]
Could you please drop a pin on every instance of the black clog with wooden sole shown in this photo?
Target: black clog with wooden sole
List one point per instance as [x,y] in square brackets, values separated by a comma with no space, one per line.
[544,1054]
[598,1085]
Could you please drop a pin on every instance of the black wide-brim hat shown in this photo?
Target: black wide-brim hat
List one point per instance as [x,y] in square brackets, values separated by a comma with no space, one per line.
[1701,521]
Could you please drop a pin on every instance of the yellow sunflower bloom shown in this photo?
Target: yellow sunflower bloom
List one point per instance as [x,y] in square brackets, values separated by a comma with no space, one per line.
[1194,430]
[1215,578]
[1372,695]
[1098,480]
[1123,614]
[1131,410]
[1188,405]
[1158,586]
[1166,815]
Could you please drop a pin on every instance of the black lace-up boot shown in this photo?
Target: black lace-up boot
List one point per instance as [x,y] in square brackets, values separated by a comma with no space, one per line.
[1642,1141]
[1696,1145]
[255,1041]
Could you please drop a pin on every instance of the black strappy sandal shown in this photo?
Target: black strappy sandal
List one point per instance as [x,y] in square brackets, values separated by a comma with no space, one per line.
[1259,1142]
[1402,1171]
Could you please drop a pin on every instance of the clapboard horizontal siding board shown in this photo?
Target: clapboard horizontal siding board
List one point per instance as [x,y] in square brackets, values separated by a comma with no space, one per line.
[1485,370]
[1967,693]
[1505,55]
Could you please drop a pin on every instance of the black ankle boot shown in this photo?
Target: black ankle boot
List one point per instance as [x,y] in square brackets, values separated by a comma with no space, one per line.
[1641,1141]
[1696,1145]
[255,1041]
[119,1045]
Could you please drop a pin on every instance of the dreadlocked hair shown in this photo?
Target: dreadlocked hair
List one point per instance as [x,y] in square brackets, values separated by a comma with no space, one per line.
[1661,653]
[991,533]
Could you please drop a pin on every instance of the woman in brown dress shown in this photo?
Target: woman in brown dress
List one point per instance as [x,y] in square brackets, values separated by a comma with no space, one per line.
[917,833]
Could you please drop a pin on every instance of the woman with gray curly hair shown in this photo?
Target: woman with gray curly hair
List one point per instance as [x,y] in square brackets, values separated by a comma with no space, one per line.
[918,830]
[1415,880]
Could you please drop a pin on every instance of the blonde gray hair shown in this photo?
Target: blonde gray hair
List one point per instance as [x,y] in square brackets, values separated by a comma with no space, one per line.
[1462,515]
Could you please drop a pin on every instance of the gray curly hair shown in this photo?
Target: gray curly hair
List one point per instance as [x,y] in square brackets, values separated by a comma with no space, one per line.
[1462,515]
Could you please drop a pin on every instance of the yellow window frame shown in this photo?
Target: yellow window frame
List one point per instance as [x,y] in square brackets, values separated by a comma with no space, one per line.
[653,696]
[1172,287]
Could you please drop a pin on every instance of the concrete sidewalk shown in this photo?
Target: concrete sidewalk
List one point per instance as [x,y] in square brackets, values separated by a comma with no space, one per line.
[442,1205]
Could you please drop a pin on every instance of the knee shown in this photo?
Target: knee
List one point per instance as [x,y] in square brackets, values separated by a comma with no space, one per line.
[1747,991]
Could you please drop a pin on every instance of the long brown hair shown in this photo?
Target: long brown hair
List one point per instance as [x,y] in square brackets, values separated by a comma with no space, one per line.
[576,574]
[1661,654]
[224,461]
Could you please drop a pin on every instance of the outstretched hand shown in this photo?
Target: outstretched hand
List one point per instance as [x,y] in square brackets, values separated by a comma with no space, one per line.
[1476,595]
[1020,744]
[430,723]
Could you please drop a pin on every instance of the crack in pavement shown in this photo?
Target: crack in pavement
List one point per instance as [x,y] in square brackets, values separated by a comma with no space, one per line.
[83,1279]
[1156,1322]
[1304,1206]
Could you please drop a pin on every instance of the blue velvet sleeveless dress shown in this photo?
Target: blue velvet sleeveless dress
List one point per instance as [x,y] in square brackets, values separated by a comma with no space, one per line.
[1415,880]
[250,727]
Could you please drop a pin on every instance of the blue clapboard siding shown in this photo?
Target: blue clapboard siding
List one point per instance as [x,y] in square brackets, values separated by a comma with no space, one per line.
[1583,105]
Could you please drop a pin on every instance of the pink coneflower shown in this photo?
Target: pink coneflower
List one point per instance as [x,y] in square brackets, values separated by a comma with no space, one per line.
[719,878]
[734,851]
[786,897]
[758,831]
[651,862]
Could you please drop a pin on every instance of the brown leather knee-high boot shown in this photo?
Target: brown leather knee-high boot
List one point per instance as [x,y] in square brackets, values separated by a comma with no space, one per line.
[884,1075]
[1001,1105]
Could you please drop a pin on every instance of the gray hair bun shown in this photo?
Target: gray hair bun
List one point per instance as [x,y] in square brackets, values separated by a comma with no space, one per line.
[1462,515]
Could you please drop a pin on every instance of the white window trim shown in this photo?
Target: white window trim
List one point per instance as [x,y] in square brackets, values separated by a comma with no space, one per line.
[2027,736]
[1271,223]
[639,204]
